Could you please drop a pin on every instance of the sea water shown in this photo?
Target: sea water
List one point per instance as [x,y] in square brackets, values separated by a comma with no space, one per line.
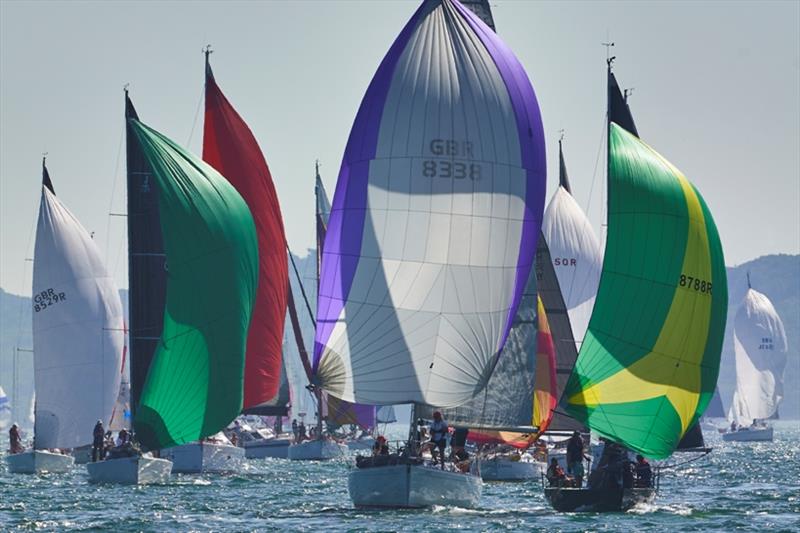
[738,487]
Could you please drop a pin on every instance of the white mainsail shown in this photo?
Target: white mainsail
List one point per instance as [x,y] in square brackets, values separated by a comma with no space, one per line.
[577,257]
[77,330]
[5,409]
[760,347]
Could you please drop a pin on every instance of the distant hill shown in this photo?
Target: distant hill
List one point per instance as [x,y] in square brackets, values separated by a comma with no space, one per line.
[777,276]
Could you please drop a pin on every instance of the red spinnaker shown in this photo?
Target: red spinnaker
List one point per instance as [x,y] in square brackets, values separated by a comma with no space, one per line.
[230,147]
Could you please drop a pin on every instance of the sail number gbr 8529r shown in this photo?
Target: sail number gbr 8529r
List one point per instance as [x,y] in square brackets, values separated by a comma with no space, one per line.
[45,299]
[697,284]
[448,168]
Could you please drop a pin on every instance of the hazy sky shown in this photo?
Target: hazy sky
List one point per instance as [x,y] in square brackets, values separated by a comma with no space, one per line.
[717,91]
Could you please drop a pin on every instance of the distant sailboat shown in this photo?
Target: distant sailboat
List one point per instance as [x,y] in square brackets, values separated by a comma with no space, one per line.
[194,377]
[78,339]
[760,347]
[432,237]
[5,410]
[648,365]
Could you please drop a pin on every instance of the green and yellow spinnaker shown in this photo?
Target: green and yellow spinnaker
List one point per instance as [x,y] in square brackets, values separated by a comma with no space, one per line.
[648,365]
[194,386]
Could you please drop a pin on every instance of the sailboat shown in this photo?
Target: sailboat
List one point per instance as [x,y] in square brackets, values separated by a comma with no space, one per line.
[431,239]
[5,410]
[230,147]
[321,448]
[648,365]
[187,371]
[78,340]
[760,346]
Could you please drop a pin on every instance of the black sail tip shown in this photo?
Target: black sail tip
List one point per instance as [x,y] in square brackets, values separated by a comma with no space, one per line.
[130,111]
[563,178]
[207,51]
[46,181]
[618,110]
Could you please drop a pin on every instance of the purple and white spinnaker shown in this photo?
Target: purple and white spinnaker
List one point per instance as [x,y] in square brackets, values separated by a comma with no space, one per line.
[435,217]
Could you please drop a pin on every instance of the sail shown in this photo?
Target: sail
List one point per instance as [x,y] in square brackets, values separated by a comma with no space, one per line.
[435,218]
[342,413]
[386,415]
[760,346]
[78,329]
[121,414]
[545,389]
[278,405]
[194,387]
[5,410]
[575,252]
[482,9]
[649,363]
[618,110]
[303,402]
[560,331]
[147,267]
[230,147]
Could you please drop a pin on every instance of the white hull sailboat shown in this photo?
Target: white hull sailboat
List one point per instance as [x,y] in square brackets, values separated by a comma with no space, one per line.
[505,468]
[39,462]
[276,448]
[412,486]
[205,457]
[137,470]
[316,450]
[749,434]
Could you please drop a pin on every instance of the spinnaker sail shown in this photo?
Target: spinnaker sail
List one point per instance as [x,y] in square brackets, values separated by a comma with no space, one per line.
[648,365]
[760,349]
[194,385]
[435,218]
[230,147]
[78,329]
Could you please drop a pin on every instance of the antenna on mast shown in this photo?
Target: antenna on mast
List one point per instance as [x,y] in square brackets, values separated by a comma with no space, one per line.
[561,134]
[609,58]
[626,93]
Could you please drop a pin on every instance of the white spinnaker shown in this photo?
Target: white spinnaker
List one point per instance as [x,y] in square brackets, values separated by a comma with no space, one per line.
[429,302]
[577,258]
[760,347]
[303,403]
[78,332]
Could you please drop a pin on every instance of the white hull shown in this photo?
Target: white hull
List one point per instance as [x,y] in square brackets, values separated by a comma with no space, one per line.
[749,435]
[82,455]
[316,450]
[260,449]
[202,457]
[137,470]
[412,486]
[504,469]
[39,462]
[361,444]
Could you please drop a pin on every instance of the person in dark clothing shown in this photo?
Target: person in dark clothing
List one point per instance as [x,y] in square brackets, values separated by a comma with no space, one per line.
[644,474]
[555,474]
[380,447]
[15,440]
[295,430]
[574,453]
[301,431]
[98,444]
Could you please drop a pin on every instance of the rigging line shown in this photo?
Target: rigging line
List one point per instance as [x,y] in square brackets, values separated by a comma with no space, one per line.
[196,114]
[113,192]
[705,451]
[302,288]
[597,162]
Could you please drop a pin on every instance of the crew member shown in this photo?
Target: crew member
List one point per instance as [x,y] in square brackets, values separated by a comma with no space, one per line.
[98,446]
[644,474]
[438,437]
[15,440]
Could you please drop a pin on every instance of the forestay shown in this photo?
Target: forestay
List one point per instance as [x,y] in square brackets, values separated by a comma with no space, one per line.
[760,346]
[194,386]
[435,217]
[650,359]
[78,329]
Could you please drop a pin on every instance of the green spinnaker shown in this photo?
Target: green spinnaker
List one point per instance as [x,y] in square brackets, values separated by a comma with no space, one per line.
[194,386]
[648,365]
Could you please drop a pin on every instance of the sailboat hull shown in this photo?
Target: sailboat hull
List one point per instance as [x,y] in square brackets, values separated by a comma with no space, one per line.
[138,470]
[749,435]
[202,457]
[316,450]
[361,444]
[263,448]
[39,462]
[504,469]
[412,486]
[569,500]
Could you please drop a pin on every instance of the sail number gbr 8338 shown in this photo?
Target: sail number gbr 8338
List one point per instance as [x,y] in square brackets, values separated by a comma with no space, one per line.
[447,168]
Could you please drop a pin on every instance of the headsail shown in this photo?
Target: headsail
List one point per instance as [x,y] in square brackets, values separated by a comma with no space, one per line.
[648,365]
[435,218]
[195,381]
[78,329]
[618,110]
[760,347]
[230,147]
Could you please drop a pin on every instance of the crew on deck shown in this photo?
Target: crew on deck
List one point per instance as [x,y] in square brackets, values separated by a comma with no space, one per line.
[15,440]
[98,444]
[644,474]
